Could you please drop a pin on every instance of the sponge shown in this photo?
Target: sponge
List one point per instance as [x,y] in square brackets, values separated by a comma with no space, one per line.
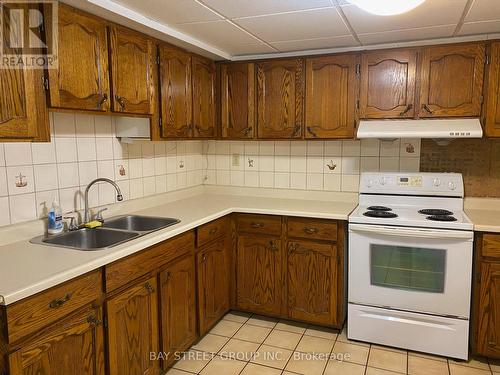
[93,224]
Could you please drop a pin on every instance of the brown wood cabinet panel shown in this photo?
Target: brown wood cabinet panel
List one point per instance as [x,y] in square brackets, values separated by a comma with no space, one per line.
[178,307]
[203,97]
[176,95]
[312,282]
[237,100]
[213,267]
[388,84]
[259,279]
[214,229]
[132,62]
[325,230]
[33,313]
[491,246]
[133,330]
[268,225]
[452,80]
[492,108]
[81,80]
[331,94]
[74,346]
[280,99]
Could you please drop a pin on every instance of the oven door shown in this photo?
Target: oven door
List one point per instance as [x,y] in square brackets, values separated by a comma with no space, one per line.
[412,269]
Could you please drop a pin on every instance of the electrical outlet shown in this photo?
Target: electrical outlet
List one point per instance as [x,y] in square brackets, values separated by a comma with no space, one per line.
[236,160]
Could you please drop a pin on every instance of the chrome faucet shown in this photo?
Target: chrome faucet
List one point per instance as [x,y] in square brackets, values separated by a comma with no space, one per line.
[119,196]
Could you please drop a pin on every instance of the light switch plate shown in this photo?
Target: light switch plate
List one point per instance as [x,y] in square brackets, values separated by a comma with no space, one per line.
[236,160]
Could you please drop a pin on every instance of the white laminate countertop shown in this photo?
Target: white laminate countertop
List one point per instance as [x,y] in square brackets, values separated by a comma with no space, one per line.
[26,268]
[484,213]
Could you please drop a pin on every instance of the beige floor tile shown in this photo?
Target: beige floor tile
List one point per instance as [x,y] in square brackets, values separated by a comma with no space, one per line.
[464,370]
[307,363]
[351,352]
[310,344]
[226,328]
[252,333]
[379,371]
[283,339]
[193,361]
[425,366]
[428,356]
[262,321]
[335,367]
[286,325]
[479,363]
[387,360]
[254,369]
[237,316]
[239,349]
[174,371]
[343,338]
[272,357]
[219,365]
[389,348]
[211,343]
[495,365]
[324,333]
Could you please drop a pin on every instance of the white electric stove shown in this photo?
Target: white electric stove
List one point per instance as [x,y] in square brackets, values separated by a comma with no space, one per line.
[410,263]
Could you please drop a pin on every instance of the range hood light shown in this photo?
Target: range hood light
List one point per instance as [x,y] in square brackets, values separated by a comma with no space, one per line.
[386,7]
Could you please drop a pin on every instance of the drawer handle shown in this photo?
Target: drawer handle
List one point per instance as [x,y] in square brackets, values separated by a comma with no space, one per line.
[167,275]
[55,304]
[149,287]
[406,110]
[213,231]
[492,343]
[309,230]
[257,225]
[92,320]
[271,246]
[203,258]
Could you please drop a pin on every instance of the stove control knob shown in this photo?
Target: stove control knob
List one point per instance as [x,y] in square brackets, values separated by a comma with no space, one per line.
[452,185]
[369,183]
[436,182]
[382,181]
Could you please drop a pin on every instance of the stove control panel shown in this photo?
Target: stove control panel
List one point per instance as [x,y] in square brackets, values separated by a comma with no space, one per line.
[442,184]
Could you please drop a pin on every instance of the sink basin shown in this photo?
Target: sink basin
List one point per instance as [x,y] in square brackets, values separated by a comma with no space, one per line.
[90,239]
[136,223]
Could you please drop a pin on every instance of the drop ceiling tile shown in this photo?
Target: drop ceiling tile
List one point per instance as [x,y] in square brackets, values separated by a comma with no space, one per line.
[251,49]
[319,23]
[430,13]
[317,43]
[171,11]
[406,35]
[221,34]
[484,10]
[246,8]
[486,27]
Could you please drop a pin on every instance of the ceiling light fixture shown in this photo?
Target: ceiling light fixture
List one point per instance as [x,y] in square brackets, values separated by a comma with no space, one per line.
[386,7]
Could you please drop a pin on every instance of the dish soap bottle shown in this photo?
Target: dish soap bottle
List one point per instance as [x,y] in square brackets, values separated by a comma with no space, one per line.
[55,224]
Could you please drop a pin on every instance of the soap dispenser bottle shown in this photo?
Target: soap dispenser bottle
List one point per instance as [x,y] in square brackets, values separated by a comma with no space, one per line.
[55,223]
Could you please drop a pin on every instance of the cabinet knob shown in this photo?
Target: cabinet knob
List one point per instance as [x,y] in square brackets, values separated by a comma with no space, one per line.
[213,231]
[296,130]
[257,225]
[311,131]
[428,109]
[203,257]
[120,101]
[149,287]
[168,274]
[92,320]
[272,246]
[247,130]
[60,301]
[102,100]
[406,110]
[309,230]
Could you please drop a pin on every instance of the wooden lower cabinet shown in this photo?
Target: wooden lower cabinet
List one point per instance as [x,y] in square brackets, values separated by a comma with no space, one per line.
[213,267]
[178,307]
[72,346]
[133,330]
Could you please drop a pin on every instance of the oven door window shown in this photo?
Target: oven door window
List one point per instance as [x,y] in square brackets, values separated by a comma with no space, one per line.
[409,268]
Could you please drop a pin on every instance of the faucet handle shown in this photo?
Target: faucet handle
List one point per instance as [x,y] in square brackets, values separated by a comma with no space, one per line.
[98,215]
[73,225]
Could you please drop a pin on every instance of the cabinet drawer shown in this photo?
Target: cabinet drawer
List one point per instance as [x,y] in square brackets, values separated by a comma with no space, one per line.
[491,246]
[125,270]
[33,313]
[312,228]
[212,230]
[265,224]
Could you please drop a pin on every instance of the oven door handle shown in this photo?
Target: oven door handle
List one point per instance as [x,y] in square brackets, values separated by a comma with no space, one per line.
[412,232]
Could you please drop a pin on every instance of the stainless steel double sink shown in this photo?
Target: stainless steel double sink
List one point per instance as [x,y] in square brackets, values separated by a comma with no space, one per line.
[114,231]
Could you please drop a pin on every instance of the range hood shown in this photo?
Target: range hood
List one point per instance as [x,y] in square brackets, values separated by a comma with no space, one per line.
[132,128]
[435,129]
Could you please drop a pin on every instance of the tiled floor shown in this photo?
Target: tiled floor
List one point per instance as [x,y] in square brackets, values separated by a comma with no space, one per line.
[254,345]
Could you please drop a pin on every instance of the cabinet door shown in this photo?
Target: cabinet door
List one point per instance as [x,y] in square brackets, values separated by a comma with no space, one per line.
[388,84]
[213,283]
[259,274]
[280,99]
[132,60]
[81,80]
[312,282]
[73,346]
[331,94]
[178,307]
[203,98]
[238,100]
[452,80]
[488,340]
[492,110]
[133,330]
[176,95]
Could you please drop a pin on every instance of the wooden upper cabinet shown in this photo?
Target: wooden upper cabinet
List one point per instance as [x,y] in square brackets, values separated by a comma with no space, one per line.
[452,80]
[132,61]
[280,99]
[81,80]
[73,346]
[492,108]
[176,95]
[203,80]
[133,330]
[237,100]
[331,94]
[388,84]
